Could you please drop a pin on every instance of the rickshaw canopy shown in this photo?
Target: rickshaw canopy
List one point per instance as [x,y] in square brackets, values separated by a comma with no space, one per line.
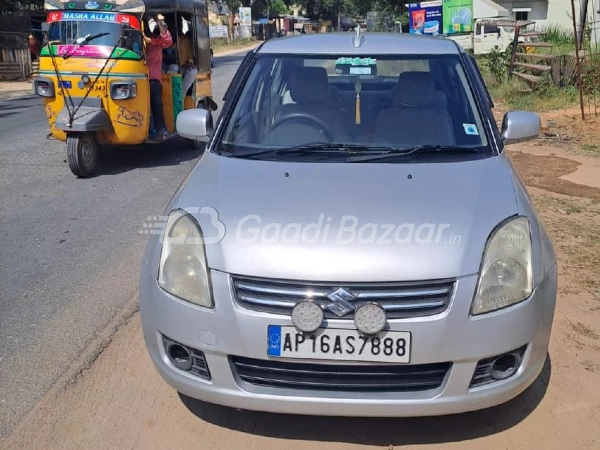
[130,6]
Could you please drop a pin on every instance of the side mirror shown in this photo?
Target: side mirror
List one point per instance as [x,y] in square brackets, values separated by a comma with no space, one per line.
[520,126]
[195,124]
[45,27]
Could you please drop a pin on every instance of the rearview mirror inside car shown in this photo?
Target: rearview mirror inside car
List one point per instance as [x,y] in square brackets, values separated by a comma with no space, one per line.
[520,126]
[195,124]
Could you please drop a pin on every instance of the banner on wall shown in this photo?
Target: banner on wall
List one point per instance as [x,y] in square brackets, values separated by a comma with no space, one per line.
[218,31]
[440,17]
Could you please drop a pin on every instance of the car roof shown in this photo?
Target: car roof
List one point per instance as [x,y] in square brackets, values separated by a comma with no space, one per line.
[372,44]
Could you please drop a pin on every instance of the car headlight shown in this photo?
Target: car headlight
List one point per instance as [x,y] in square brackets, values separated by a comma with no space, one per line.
[506,276]
[183,270]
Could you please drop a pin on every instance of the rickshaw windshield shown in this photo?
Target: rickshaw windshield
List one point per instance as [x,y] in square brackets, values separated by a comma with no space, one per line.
[95,33]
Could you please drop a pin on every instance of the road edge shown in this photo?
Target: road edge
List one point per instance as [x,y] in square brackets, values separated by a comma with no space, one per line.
[233,51]
[84,361]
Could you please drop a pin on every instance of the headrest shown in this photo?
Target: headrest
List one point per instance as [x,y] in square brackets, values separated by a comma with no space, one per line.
[415,89]
[309,84]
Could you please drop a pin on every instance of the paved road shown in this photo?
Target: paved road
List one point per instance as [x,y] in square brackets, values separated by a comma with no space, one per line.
[70,248]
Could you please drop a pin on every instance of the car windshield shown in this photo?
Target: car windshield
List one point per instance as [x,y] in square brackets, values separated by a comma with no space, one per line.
[98,33]
[368,102]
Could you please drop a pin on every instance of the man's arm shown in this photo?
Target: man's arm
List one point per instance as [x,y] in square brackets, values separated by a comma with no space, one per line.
[165,40]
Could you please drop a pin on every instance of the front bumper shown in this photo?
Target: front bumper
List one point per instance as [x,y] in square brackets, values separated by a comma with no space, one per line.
[451,336]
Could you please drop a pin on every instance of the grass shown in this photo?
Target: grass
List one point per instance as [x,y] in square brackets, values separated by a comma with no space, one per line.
[224,44]
[561,38]
[592,149]
[546,96]
[558,35]
[509,92]
[552,98]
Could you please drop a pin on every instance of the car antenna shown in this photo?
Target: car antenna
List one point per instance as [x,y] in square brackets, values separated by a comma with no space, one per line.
[358,37]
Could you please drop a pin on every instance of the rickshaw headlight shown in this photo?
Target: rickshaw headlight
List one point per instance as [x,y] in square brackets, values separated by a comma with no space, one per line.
[122,90]
[43,87]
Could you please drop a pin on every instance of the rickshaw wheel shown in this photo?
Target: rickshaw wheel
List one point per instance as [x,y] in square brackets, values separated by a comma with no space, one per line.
[82,154]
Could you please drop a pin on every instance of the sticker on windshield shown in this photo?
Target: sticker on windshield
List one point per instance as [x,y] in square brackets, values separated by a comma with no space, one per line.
[347,65]
[360,70]
[356,61]
[471,129]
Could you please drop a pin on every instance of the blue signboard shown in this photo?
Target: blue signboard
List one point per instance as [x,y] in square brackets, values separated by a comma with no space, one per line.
[425,17]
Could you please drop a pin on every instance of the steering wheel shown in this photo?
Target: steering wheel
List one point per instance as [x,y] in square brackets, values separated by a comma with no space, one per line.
[305,118]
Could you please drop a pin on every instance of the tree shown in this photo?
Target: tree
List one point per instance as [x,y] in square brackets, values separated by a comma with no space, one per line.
[328,9]
[232,6]
[10,6]
[278,7]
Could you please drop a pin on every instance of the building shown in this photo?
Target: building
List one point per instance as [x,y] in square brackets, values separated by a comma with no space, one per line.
[547,12]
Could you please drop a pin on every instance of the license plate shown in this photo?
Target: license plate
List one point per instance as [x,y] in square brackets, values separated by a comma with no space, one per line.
[337,344]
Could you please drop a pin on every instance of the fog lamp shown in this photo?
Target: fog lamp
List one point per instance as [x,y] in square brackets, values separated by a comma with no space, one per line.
[370,319]
[307,316]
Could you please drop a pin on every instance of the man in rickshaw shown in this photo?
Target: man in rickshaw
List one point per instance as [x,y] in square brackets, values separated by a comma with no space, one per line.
[160,39]
[186,60]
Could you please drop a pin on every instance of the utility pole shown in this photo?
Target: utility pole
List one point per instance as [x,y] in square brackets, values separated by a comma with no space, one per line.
[579,86]
[267,30]
[583,7]
[339,15]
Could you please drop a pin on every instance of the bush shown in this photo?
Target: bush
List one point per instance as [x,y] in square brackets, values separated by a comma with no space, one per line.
[556,34]
[498,65]
[590,76]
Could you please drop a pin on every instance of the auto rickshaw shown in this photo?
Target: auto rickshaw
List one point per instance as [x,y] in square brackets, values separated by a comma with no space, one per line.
[94,79]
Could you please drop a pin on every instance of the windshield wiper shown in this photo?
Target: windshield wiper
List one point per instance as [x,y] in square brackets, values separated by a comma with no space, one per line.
[315,147]
[395,152]
[85,40]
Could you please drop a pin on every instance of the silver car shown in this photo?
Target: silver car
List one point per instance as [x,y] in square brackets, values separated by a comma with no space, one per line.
[354,241]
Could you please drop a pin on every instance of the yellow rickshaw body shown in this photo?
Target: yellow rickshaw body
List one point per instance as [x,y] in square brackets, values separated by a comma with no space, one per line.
[130,118]
[81,76]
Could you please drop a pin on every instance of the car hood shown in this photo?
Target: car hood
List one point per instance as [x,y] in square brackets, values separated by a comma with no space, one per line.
[347,222]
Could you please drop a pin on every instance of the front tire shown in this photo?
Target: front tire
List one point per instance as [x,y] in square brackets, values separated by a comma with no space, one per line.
[82,154]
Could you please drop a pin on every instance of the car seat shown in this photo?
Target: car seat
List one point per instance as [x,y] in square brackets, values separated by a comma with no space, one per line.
[416,117]
[310,91]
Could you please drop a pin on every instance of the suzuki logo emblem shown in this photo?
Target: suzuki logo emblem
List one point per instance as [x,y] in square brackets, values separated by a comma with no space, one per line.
[341,299]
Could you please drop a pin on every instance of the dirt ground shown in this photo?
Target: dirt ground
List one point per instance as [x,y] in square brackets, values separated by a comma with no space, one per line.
[120,402]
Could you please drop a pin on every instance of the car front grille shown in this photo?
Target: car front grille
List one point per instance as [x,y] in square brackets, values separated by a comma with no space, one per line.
[340,378]
[400,300]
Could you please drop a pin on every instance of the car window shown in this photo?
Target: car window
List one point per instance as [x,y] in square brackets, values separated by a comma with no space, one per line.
[479,79]
[380,101]
[239,74]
